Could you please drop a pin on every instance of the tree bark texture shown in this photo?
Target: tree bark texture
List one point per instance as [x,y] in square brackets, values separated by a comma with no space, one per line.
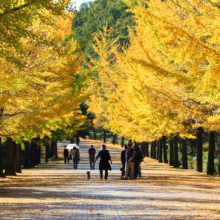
[10,166]
[164,150]
[39,154]
[219,154]
[1,170]
[122,141]
[210,167]
[199,165]
[18,159]
[176,159]
[94,132]
[104,136]
[114,138]
[26,155]
[32,156]
[184,155]
[55,150]
[47,149]
[160,150]
[171,153]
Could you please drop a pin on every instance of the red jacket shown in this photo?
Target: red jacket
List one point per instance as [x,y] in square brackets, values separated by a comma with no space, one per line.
[91,152]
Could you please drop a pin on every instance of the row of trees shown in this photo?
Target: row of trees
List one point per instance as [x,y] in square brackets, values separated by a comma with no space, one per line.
[40,64]
[166,83]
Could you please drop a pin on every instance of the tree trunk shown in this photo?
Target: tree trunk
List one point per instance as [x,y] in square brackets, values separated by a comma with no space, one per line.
[10,167]
[151,150]
[219,155]
[184,155]
[164,150]
[160,151]
[26,155]
[52,149]
[171,153]
[176,159]
[55,150]
[210,168]
[122,141]
[39,154]
[47,148]
[94,132]
[32,154]
[18,159]
[146,146]
[104,136]
[158,147]
[114,139]
[154,149]
[199,167]
[35,153]
[1,170]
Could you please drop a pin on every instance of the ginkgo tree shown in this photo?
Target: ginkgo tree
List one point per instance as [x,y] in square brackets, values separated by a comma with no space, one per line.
[167,81]
[43,94]
[16,17]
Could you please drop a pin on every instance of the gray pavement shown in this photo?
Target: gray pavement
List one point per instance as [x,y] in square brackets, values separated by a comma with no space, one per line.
[56,191]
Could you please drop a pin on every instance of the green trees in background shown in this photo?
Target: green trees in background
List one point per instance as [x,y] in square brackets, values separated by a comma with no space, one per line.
[91,18]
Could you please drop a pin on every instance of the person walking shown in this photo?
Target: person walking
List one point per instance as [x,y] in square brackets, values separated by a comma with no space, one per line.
[137,161]
[104,161]
[75,157]
[123,160]
[129,161]
[77,140]
[66,154]
[92,153]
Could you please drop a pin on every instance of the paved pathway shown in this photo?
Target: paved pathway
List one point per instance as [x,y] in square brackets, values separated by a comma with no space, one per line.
[56,191]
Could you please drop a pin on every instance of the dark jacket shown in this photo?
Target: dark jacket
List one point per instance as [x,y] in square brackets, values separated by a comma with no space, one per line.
[123,157]
[66,153]
[104,158]
[129,154]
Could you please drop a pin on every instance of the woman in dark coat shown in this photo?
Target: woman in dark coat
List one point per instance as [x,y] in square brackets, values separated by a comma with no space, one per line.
[104,164]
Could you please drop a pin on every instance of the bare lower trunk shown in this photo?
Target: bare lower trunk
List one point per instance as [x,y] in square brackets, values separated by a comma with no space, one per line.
[199,166]
[94,132]
[171,153]
[176,160]
[46,152]
[122,141]
[32,154]
[10,167]
[160,151]
[1,170]
[164,150]
[39,154]
[184,155]
[26,155]
[18,159]
[210,168]
[55,150]
[104,136]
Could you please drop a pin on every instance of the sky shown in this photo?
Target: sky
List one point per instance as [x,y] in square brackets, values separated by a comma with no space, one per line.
[79,2]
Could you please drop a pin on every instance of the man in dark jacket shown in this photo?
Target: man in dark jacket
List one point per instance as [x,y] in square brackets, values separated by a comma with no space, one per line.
[137,161]
[123,160]
[66,154]
[129,161]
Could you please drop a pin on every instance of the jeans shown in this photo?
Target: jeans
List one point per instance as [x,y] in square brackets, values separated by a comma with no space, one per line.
[106,174]
[129,165]
[75,161]
[91,161]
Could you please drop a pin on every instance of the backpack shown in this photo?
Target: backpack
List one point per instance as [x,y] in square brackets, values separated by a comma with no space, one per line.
[76,155]
[92,152]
